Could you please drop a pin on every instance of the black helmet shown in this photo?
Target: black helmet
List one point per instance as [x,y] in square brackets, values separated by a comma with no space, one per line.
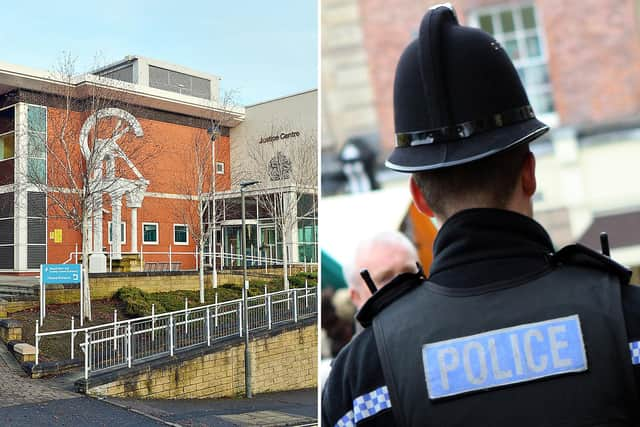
[457,98]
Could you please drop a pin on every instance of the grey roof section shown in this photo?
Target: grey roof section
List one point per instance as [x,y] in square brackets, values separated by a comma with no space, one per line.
[623,230]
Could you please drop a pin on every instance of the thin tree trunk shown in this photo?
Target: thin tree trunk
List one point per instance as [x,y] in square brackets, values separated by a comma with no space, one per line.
[214,261]
[85,266]
[201,278]
[285,260]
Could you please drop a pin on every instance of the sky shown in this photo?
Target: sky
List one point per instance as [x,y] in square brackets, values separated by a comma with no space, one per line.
[261,49]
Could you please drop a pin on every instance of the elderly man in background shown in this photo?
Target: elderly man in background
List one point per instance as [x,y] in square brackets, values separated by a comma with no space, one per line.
[385,255]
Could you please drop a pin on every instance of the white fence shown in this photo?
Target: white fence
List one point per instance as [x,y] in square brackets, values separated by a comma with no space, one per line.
[124,343]
[169,260]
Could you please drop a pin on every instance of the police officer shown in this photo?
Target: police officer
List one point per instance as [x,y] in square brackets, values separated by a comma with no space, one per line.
[505,330]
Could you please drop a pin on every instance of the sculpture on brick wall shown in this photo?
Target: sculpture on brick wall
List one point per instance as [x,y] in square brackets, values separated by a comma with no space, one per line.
[103,153]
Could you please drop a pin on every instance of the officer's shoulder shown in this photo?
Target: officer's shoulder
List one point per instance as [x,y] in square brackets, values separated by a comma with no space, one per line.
[388,294]
[342,385]
[356,369]
[580,255]
[357,350]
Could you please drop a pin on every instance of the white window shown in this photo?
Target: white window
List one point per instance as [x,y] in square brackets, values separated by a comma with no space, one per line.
[150,233]
[180,234]
[518,29]
[123,232]
[220,168]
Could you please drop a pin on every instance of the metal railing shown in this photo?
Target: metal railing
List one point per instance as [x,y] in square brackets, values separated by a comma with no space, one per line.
[256,258]
[127,342]
[168,260]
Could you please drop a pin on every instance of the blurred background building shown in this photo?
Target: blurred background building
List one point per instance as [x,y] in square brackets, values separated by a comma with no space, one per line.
[580,63]
[348,104]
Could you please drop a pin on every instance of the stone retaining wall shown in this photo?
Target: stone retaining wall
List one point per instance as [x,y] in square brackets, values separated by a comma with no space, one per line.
[284,359]
[104,286]
[10,330]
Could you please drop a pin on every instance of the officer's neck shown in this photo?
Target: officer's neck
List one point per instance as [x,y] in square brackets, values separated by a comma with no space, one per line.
[476,243]
[519,203]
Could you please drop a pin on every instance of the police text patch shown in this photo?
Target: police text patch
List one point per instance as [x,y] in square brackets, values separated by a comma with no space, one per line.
[504,356]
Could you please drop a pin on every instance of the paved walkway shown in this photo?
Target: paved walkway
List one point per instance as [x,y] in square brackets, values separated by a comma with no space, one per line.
[35,402]
[31,402]
[291,408]
[17,389]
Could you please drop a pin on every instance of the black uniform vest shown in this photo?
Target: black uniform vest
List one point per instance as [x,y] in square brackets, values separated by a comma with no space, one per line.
[602,393]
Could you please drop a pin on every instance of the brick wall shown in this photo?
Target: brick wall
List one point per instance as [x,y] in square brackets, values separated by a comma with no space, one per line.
[388,26]
[281,360]
[593,49]
[13,306]
[594,58]
[165,156]
[106,287]
[286,362]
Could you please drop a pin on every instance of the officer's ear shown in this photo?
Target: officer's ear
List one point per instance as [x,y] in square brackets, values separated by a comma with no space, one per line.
[528,175]
[418,199]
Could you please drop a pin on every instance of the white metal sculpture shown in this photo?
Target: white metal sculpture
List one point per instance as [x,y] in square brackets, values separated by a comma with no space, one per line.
[101,159]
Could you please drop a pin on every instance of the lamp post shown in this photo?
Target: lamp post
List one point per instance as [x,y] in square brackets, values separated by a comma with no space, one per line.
[245,290]
[212,210]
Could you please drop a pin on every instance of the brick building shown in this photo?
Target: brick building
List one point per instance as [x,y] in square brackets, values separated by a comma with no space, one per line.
[579,69]
[581,73]
[142,125]
[348,111]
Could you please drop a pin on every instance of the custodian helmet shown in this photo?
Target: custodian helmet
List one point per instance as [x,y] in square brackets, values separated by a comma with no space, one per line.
[457,98]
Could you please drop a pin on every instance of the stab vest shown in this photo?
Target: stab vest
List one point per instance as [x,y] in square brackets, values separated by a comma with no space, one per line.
[549,350]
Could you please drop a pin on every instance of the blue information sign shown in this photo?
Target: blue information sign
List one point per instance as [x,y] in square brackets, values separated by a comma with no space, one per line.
[53,274]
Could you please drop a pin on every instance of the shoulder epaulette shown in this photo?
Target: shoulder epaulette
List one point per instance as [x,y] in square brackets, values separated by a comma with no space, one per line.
[389,293]
[582,255]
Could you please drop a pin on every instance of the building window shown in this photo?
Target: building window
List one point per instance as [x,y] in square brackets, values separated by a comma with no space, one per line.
[36,170]
[307,240]
[123,232]
[517,29]
[121,72]
[180,234]
[150,233]
[6,230]
[36,229]
[181,83]
[7,172]
[220,168]
[7,145]
[307,227]
[37,144]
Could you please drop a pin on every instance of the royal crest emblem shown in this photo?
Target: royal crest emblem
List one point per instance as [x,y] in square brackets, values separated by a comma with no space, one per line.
[279,167]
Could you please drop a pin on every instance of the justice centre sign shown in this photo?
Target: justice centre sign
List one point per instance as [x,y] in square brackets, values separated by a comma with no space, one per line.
[504,356]
[282,135]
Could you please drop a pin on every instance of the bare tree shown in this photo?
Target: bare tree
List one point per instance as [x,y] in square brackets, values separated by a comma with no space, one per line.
[287,170]
[195,189]
[85,160]
[199,184]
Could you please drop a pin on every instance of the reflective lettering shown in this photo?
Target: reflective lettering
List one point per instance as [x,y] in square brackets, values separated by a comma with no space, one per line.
[556,345]
[445,367]
[502,356]
[528,352]
[468,369]
[498,373]
[515,350]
